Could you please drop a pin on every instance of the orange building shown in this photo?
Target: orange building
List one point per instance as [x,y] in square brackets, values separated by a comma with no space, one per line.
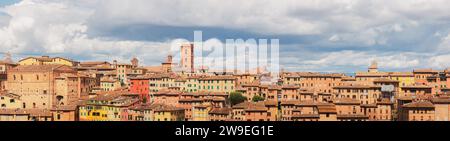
[65,113]
[315,81]
[380,111]
[349,110]
[37,84]
[168,97]
[421,75]
[442,108]
[365,94]
[220,114]
[140,85]
[418,111]
[416,91]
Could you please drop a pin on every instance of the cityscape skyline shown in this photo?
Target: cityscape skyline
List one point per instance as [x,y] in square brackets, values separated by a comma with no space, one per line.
[46,88]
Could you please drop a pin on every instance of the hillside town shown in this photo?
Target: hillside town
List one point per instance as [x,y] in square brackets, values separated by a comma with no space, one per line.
[45,88]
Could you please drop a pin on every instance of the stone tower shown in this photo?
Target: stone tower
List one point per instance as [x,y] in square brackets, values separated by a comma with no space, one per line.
[187,57]
[135,62]
[373,66]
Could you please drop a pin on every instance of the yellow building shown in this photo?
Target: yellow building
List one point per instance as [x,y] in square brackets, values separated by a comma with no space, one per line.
[225,84]
[404,78]
[168,113]
[107,107]
[191,84]
[46,60]
[109,84]
[163,81]
[201,113]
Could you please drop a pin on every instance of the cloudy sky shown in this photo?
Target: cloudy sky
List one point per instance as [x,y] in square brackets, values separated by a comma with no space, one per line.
[315,35]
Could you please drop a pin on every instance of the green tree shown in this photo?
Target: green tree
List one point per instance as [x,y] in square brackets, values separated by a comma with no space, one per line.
[257,98]
[236,98]
[144,99]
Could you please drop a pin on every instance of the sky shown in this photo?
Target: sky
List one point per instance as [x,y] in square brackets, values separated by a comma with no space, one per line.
[315,35]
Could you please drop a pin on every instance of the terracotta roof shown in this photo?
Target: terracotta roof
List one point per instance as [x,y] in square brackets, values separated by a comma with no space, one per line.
[107,95]
[108,79]
[13,112]
[7,63]
[384,101]
[407,98]
[424,71]
[221,77]
[416,87]
[165,108]
[251,106]
[140,77]
[306,103]
[373,105]
[290,87]
[255,108]
[326,108]
[204,93]
[371,74]
[162,75]
[290,102]
[401,74]
[202,106]
[241,105]
[42,68]
[220,111]
[253,84]
[305,116]
[441,100]
[64,108]
[346,101]
[141,107]
[348,79]
[168,93]
[191,100]
[218,99]
[312,74]
[274,87]
[356,86]
[352,116]
[95,64]
[47,58]
[270,103]
[385,80]
[419,104]
[31,112]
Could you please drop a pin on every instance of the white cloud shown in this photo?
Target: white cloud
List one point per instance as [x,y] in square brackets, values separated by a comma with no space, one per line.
[49,27]
[353,59]
[4,18]
[274,17]
[441,61]
[62,26]
[334,38]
